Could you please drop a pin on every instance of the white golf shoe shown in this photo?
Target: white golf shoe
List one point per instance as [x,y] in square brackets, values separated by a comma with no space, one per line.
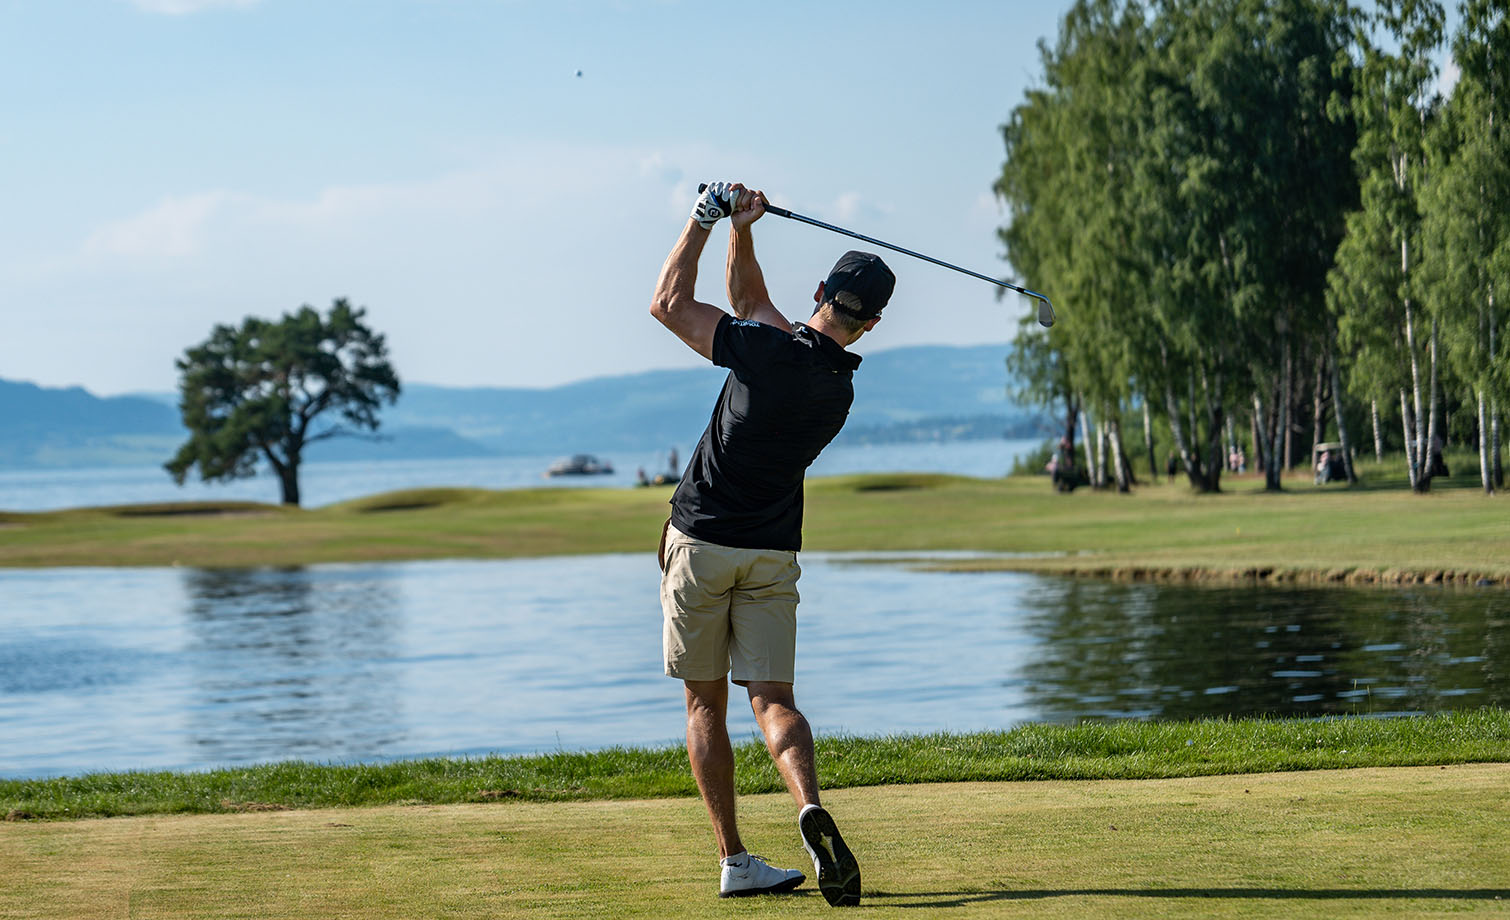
[755,876]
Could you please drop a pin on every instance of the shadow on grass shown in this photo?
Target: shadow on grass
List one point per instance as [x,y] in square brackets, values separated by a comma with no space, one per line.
[940,899]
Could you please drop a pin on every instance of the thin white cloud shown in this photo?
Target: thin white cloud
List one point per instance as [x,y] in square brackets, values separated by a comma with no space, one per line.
[852,205]
[184,7]
[173,228]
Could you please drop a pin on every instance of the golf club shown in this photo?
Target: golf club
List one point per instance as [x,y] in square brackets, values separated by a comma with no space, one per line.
[1045,309]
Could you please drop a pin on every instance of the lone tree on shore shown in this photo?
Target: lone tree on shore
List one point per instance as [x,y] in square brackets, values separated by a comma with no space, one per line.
[270,389]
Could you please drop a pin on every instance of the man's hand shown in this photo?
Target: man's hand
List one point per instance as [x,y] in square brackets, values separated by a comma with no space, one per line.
[750,208]
[717,201]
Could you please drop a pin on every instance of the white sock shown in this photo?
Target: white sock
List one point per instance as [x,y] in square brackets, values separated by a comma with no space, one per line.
[738,860]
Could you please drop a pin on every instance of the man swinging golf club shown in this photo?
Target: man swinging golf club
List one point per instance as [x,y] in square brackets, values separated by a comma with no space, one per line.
[729,551]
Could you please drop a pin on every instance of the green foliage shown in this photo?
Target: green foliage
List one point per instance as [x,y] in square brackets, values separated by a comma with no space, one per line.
[1465,222]
[269,389]
[1179,183]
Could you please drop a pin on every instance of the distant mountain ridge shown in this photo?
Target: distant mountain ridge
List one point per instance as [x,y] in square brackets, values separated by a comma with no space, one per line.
[930,392]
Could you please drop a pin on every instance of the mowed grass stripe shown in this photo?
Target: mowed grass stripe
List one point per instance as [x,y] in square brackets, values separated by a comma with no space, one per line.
[1356,843]
[1115,750]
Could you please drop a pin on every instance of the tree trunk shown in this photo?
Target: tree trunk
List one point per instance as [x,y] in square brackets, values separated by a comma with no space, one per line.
[1272,481]
[1212,481]
[1085,442]
[1318,405]
[1260,443]
[1373,405]
[288,477]
[1431,458]
[1114,430]
[1410,443]
[1285,397]
[1347,443]
[1101,480]
[1494,427]
[1175,430]
[1215,416]
[1153,463]
[1485,473]
[1416,435]
[1127,464]
[287,472]
[1066,448]
[1190,406]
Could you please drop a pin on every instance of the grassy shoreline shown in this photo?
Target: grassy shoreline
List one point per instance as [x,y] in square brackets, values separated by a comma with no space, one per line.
[1306,534]
[1115,750]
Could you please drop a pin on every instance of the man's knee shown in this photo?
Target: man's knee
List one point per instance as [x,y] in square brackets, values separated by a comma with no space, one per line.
[771,696]
[707,698]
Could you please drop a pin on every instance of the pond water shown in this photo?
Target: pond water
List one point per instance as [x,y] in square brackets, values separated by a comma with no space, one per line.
[115,669]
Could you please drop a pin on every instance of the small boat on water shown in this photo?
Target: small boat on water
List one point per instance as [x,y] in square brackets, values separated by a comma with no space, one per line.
[580,465]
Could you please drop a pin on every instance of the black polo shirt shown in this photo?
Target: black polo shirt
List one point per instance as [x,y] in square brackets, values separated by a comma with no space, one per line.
[786,396]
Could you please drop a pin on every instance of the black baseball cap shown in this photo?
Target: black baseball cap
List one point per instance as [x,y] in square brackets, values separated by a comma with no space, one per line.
[867,281]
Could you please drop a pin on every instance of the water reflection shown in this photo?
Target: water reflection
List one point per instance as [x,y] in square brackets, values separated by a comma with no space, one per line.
[294,662]
[1176,652]
[113,669]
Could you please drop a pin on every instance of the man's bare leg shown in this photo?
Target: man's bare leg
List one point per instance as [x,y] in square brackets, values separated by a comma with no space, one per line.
[712,758]
[787,736]
[790,740]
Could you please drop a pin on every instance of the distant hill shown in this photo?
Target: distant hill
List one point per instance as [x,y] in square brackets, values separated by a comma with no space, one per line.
[894,389]
[71,428]
[904,394]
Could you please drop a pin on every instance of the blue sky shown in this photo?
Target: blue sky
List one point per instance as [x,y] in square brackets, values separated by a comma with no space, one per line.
[172,164]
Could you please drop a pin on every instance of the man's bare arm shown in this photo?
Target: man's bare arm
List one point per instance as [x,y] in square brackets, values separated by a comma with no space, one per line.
[674,306]
[743,277]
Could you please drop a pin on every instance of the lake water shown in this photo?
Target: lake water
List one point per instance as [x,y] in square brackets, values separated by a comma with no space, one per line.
[114,669]
[324,483]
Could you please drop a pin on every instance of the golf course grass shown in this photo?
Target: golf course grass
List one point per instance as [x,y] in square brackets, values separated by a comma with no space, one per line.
[1376,533]
[1336,817]
[1093,750]
[1422,841]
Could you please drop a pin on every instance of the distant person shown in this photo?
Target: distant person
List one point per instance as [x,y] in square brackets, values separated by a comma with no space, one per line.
[729,560]
[1066,476]
[640,479]
[671,463]
[1324,468]
[1170,466]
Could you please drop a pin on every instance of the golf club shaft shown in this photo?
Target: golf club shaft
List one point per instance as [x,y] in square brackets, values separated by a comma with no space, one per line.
[1045,308]
[783,212]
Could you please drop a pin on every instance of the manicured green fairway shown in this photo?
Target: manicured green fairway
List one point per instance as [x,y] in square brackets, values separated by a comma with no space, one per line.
[1330,533]
[1421,841]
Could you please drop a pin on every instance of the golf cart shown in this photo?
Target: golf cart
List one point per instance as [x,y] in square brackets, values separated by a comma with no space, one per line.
[1326,460]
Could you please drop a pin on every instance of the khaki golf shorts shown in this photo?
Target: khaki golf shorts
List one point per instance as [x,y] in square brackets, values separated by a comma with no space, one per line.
[728,611]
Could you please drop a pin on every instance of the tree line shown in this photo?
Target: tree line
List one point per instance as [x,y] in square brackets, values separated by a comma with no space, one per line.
[1264,221]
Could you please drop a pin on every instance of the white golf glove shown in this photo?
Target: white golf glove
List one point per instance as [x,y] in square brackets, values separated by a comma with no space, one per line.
[718,200]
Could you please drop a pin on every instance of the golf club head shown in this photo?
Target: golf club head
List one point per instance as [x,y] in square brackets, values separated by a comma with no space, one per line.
[1045,308]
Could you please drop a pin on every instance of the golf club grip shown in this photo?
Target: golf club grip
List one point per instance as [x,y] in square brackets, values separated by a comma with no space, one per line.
[770,208]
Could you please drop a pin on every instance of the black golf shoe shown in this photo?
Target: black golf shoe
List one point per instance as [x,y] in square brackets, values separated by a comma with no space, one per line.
[838,870]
